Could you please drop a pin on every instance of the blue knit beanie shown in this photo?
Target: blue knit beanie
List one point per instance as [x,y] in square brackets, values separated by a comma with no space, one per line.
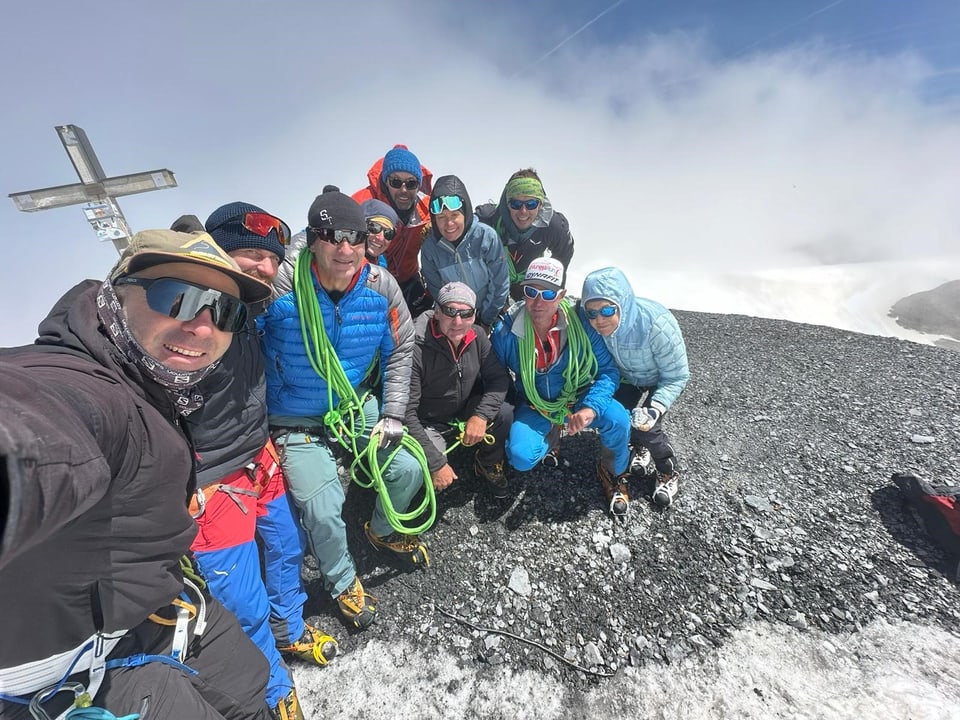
[225,225]
[400,160]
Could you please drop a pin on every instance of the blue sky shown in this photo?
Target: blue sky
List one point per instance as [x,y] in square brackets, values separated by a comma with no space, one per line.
[686,135]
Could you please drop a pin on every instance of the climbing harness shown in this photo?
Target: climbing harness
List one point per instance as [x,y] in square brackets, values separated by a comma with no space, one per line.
[580,371]
[259,472]
[344,420]
[52,674]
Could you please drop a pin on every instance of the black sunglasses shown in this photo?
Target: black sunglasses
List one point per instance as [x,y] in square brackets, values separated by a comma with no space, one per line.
[396,183]
[184,301]
[453,312]
[335,237]
[388,232]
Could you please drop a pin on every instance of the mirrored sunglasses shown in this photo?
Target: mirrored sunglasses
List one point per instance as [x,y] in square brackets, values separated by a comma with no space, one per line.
[531,204]
[607,311]
[450,202]
[374,228]
[260,223]
[184,301]
[454,312]
[396,183]
[335,237]
[533,293]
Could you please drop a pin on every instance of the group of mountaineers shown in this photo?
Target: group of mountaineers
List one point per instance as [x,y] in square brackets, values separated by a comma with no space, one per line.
[171,445]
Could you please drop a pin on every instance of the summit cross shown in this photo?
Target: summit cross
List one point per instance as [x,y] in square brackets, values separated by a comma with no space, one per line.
[95,190]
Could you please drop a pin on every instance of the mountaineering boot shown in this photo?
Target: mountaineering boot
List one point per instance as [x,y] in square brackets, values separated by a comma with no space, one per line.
[314,646]
[666,488]
[288,708]
[408,548]
[552,458]
[357,606]
[494,475]
[641,463]
[615,488]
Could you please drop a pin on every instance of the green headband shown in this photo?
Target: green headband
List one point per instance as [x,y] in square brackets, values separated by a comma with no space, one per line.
[524,186]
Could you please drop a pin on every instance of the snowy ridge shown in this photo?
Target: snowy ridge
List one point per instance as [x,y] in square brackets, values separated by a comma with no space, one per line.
[854,296]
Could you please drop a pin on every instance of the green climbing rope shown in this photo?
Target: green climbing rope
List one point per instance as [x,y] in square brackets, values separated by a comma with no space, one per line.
[344,419]
[580,371]
[461,426]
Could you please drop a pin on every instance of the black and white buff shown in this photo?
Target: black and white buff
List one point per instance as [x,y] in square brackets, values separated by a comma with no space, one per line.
[177,383]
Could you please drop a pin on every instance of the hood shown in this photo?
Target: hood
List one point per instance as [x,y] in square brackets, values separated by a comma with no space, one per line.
[452,185]
[611,284]
[73,327]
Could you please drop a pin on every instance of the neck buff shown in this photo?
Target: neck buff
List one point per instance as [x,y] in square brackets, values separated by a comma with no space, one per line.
[505,225]
[176,383]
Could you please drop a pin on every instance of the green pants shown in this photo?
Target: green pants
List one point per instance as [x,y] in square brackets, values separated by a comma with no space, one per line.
[311,472]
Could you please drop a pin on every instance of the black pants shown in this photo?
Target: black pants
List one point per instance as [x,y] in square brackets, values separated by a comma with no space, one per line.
[231,679]
[230,683]
[655,439]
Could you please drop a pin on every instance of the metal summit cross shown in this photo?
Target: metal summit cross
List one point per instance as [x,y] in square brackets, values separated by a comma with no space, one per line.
[95,189]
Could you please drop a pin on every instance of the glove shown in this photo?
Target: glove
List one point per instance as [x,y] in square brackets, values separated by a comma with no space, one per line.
[390,431]
[644,418]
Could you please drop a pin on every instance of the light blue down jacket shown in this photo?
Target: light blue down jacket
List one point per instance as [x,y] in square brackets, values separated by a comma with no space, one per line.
[647,346]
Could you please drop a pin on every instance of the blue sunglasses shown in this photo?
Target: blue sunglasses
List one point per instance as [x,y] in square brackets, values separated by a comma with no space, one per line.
[450,202]
[533,293]
[531,204]
[607,311]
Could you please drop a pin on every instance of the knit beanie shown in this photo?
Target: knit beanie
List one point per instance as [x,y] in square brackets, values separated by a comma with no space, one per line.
[226,226]
[378,211]
[457,292]
[336,211]
[399,159]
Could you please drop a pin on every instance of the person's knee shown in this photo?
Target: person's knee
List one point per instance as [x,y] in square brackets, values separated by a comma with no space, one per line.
[522,456]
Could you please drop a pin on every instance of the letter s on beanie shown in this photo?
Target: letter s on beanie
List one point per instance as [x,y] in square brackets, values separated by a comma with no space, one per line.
[336,211]
[546,272]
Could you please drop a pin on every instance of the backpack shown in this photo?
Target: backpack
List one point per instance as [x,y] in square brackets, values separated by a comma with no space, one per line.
[938,508]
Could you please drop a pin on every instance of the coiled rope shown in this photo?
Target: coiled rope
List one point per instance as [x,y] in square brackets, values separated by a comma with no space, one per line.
[344,418]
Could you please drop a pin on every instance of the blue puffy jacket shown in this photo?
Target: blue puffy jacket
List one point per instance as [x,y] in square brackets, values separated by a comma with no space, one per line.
[647,346]
[369,322]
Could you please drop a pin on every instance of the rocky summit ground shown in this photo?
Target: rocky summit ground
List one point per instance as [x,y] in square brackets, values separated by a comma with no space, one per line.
[787,525]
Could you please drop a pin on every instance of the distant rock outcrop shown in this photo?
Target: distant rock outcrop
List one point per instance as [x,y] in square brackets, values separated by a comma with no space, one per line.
[934,311]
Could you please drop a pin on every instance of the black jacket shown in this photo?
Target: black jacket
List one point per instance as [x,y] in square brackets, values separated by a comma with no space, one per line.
[230,428]
[556,238]
[97,475]
[445,379]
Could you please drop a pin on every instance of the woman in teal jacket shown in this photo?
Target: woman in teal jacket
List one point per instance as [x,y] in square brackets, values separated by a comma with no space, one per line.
[646,343]
[460,249]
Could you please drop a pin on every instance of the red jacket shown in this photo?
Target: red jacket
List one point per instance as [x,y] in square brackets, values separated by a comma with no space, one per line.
[403,252]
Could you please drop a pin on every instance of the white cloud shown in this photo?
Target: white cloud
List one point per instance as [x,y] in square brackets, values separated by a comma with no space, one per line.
[663,155]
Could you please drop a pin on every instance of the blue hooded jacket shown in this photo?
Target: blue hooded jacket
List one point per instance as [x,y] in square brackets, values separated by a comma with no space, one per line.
[647,346]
